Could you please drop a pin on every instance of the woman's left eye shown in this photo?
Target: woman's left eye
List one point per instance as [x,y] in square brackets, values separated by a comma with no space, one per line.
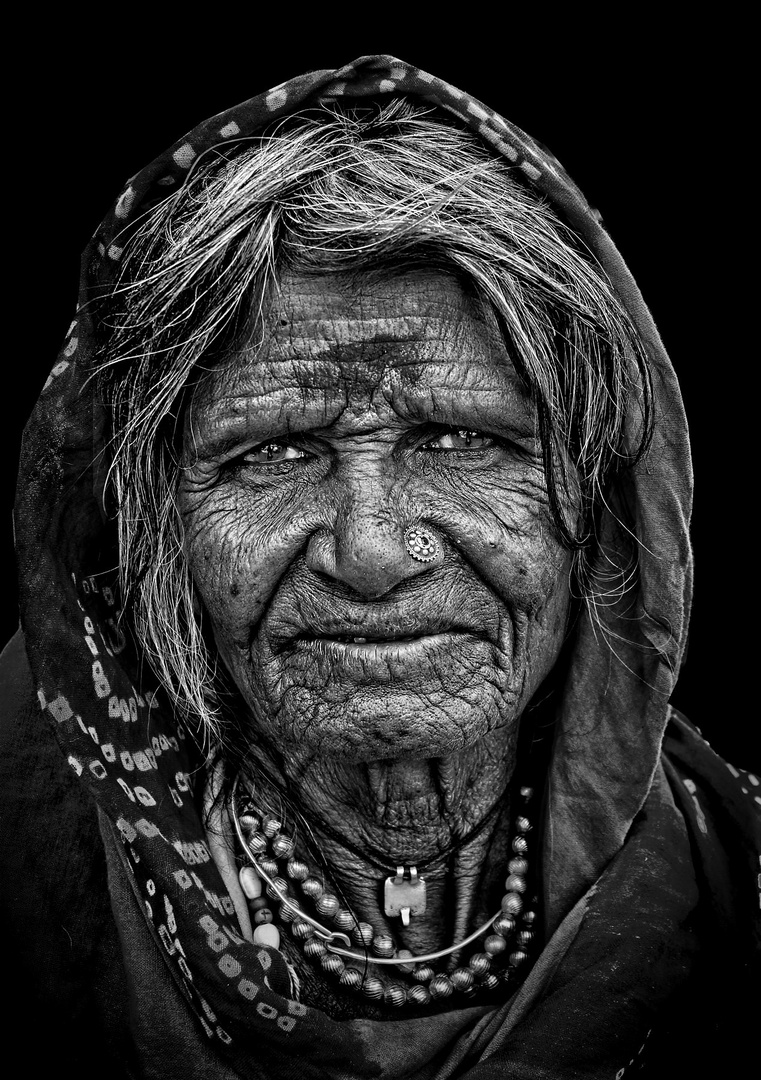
[271,453]
[460,439]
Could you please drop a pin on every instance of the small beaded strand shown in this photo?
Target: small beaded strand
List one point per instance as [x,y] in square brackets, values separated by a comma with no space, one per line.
[509,935]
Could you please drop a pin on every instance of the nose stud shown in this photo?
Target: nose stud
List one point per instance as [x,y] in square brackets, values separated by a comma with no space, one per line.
[421,544]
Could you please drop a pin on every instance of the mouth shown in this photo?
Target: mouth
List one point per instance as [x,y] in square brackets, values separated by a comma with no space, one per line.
[366,635]
[391,639]
[397,647]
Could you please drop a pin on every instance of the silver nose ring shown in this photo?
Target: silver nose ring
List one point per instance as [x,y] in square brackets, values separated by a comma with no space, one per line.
[421,544]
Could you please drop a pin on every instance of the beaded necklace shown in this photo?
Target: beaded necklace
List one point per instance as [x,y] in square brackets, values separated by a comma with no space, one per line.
[272,875]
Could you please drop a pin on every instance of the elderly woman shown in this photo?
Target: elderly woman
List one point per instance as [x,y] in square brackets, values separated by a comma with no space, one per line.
[352,532]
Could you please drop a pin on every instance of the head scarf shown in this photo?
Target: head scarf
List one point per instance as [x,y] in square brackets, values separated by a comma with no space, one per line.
[121,740]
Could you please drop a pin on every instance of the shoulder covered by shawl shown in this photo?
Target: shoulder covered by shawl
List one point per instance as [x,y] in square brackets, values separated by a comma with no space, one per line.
[66,961]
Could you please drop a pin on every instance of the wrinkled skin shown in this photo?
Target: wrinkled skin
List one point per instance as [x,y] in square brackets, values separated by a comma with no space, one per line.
[306,457]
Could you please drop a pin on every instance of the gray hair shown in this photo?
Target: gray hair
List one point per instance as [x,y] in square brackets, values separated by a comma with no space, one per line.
[364,190]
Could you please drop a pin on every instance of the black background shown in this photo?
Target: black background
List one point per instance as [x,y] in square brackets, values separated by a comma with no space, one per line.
[648,120]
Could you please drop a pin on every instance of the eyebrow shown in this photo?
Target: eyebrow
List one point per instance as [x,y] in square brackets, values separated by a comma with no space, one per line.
[494,410]
[222,426]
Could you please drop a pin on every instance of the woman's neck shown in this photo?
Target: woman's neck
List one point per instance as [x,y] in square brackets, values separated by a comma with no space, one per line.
[445,816]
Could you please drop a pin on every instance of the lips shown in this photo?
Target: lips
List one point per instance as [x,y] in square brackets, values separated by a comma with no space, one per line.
[374,653]
[374,650]
[355,639]
[377,636]
[360,626]
[377,647]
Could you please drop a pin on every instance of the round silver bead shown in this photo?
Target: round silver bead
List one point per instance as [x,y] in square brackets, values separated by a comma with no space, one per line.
[282,846]
[418,995]
[489,982]
[462,979]
[520,845]
[494,944]
[279,885]
[350,978]
[423,973]
[269,866]
[515,883]
[512,903]
[529,917]
[395,995]
[362,933]
[479,963]
[328,904]
[527,793]
[302,929]
[440,986]
[383,945]
[524,937]
[344,919]
[518,957]
[312,887]
[314,948]
[372,988]
[287,914]
[518,865]
[504,924]
[297,869]
[331,963]
[271,826]
[522,824]
[249,823]
[257,845]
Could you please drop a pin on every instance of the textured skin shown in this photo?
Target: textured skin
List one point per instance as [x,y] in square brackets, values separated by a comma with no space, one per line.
[358,392]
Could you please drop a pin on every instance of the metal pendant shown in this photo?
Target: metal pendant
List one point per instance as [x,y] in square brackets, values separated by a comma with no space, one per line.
[404,894]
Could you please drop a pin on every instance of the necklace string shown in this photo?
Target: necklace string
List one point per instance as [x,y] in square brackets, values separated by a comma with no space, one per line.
[266,846]
[330,936]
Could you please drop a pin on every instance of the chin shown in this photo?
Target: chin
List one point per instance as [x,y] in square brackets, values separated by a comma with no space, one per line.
[380,727]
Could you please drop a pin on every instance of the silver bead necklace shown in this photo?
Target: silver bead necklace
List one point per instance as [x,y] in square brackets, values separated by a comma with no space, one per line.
[503,958]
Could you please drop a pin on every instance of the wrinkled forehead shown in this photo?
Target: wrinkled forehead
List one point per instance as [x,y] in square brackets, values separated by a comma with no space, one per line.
[404,337]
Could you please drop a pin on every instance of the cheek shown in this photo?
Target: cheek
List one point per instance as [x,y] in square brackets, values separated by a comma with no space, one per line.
[529,574]
[506,538]
[534,587]
[234,565]
[505,534]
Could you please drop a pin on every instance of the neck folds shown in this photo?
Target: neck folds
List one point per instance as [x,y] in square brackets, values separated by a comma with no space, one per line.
[352,950]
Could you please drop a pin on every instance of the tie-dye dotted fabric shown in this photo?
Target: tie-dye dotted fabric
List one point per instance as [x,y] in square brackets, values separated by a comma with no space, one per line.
[122,741]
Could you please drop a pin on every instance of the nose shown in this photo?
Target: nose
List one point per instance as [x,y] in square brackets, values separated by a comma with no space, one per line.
[372,552]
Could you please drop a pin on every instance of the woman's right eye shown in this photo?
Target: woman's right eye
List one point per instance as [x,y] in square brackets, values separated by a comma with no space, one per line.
[460,439]
[271,453]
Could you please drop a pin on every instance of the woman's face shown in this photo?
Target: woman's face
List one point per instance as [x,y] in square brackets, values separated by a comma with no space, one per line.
[364,411]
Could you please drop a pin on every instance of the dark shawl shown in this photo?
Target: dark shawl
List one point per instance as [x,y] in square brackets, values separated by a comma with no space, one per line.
[648,862]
